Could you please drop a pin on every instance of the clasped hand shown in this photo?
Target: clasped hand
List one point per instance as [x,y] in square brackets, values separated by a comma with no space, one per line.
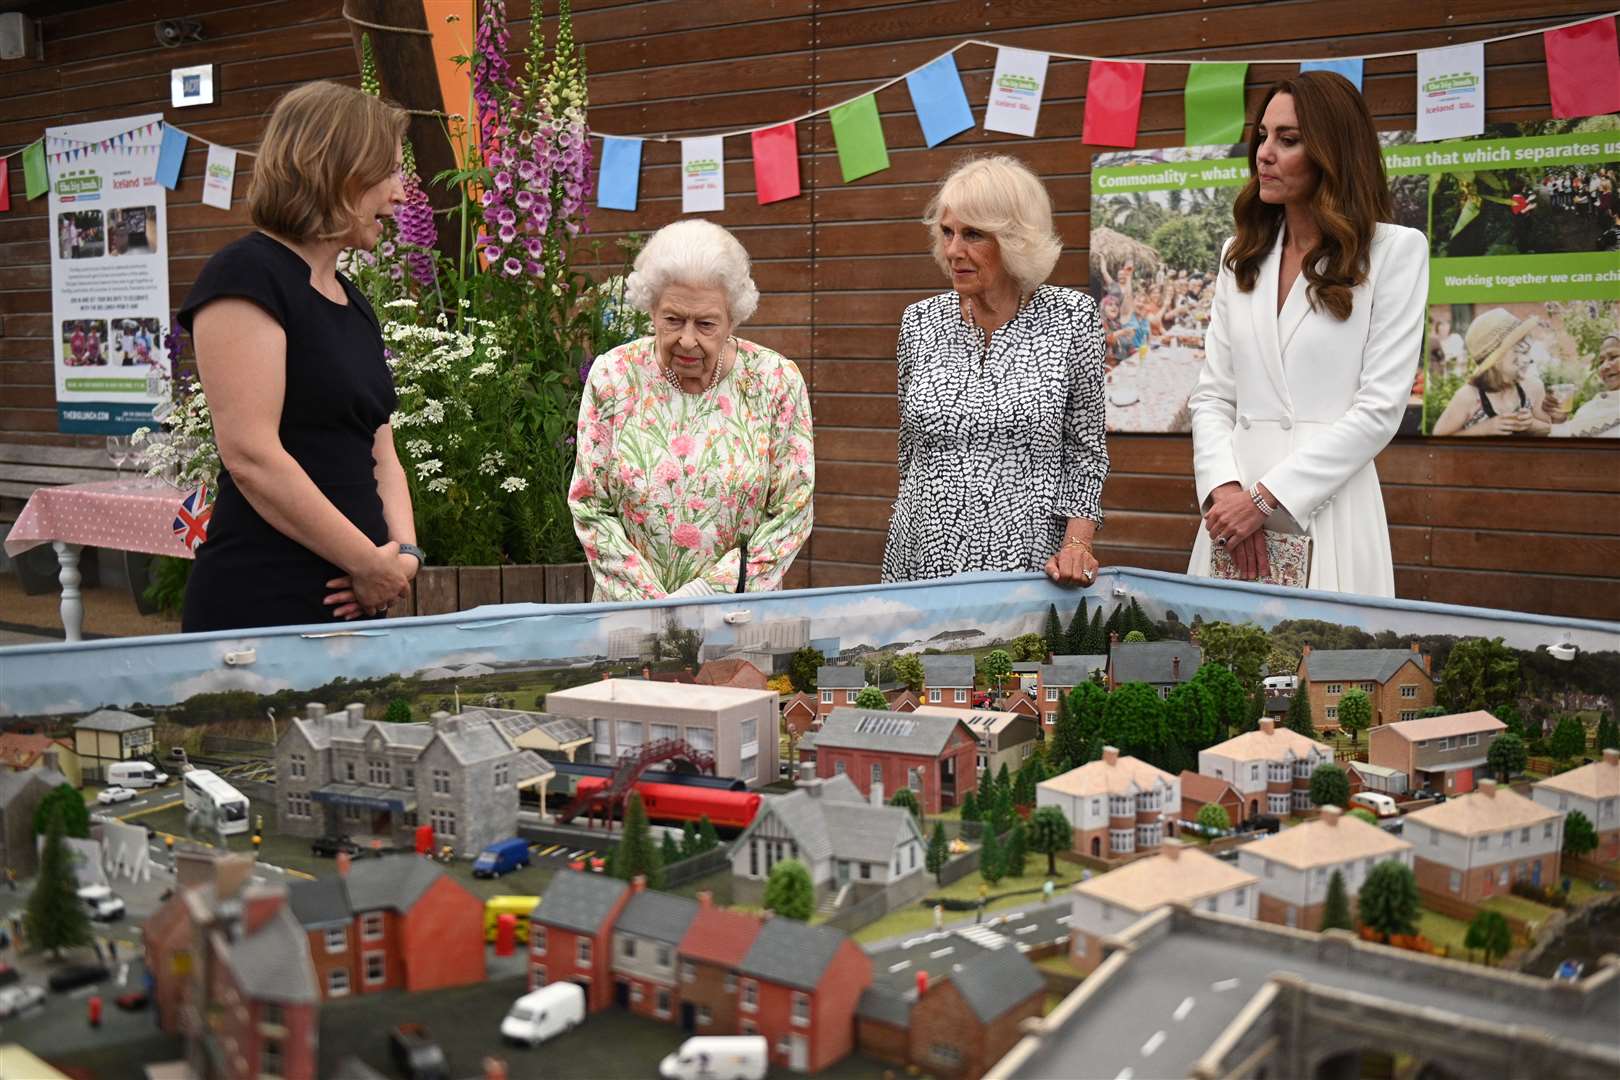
[1232,516]
[369,592]
[1074,564]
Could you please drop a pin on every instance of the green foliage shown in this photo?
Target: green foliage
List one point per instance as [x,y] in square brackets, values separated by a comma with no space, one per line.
[1004,785]
[1076,633]
[939,852]
[55,918]
[1580,837]
[708,839]
[671,850]
[1003,815]
[1507,756]
[1355,710]
[1568,739]
[1135,635]
[1183,243]
[1053,633]
[1134,723]
[1242,648]
[636,853]
[906,799]
[1330,786]
[879,668]
[1432,710]
[1087,707]
[1299,714]
[1029,648]
[871,697]
[970,806]
[1012,859]
[1213,816]
[1489,933]
[1478,674]
[65,803]
[399,712]
[1096,639]
[1191,723]
[986,790]
[802,667]
[1608,733]
[1388,901]
[681,643]
[689,840]
[1226,694]
[1509,715]
[990,858]
[1030,774]
[1364,814]
[1050,833]
[788,890]
[166,584]
[1336,907]
[995,666]
[1066,746]
[909,670]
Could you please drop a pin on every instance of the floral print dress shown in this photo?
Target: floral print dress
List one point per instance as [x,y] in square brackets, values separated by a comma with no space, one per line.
[668,485]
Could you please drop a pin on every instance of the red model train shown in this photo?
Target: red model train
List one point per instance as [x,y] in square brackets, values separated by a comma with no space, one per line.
[677,802]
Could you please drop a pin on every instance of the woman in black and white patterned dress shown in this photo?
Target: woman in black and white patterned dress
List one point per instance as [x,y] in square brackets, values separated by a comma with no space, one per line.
[1003,451]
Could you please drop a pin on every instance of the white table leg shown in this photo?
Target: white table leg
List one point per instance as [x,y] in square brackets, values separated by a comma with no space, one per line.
[72,606]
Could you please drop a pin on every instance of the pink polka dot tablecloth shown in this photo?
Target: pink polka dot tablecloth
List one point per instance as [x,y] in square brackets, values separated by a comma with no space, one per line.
[136,514]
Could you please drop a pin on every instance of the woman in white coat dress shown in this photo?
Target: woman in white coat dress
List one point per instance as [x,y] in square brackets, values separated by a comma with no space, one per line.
[1313,343]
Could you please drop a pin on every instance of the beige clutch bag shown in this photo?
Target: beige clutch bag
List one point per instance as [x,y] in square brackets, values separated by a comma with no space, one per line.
[1288,553]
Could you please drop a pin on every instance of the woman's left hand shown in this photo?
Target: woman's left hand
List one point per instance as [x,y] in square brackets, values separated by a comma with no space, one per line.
[1074,564]
[1232,516]
[342,593]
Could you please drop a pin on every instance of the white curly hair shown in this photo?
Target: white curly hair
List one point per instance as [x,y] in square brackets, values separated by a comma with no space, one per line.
[698,254]
[1000,196]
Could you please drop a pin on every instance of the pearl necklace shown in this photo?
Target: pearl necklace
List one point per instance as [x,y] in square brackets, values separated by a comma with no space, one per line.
[714,379]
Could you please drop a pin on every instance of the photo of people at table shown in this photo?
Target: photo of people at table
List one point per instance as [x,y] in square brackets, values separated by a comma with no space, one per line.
[1533,370]
[84,342]
[135,341]
[80,234]
[132,230]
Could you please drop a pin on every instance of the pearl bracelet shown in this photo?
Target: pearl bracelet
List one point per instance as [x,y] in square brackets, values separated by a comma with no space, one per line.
[1260,503]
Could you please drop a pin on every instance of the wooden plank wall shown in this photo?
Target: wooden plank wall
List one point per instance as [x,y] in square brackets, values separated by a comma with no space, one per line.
[1492,522]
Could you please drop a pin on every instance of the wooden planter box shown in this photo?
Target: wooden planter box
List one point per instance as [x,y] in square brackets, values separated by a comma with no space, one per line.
[440,590]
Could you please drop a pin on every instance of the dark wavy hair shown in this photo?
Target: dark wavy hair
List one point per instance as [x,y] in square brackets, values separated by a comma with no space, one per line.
[1351,198]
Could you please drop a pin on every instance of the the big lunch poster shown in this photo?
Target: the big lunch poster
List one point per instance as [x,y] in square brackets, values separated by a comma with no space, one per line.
[1524,278]
[109,273]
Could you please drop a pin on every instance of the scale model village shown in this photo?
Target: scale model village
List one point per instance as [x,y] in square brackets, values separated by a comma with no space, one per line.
[1162,852]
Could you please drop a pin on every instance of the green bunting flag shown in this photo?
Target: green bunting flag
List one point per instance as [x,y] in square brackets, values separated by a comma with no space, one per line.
[1214,101]
[859,135]
[37,182]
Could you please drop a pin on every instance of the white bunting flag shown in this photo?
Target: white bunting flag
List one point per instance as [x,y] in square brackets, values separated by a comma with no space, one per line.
[1451,92]
[1015,92]
[219,177]
[703,175]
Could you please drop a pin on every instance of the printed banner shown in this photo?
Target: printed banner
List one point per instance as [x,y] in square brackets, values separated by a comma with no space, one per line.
[776,163]
[703,175]
[1451,92]
[219,176]
[1523,225]
[619,181]
[1015,91]
[109,274]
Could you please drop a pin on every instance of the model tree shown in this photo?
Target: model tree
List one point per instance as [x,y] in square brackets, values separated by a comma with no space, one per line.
[1212,817]
[1330,786]
[1568,738]
[939,852]
[1004,785]
[1017,850]
[1336,908]
[1133,722]
[689,840]
[1190,723]
[1096,639]
[990,862]
[871,697]
[909,670]
[802,668]
[1355,711]
[970,806]
[906,799]
[1074,635]
[1608,733]
[1479,674]
[782,684]
[55,919]
[788,890]
[671,851]
[1053,632]
[1088,707]
[1507,756]
[1489,933]
[1226,694]
[1580,837]
[1050,833]
[636,853]
[1389,899]
[1242,648]
[1363,814]
[995,667]
[1299,715]
[986,790]
[399,711]
[1029,647]
[1135,636]
[65,802]
[708,839]
[1066,747]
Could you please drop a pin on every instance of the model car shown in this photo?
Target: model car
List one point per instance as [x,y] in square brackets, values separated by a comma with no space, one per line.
[1429,793]
[133,1001]
[76,975]
[1569,971]
[416,1056]
[112,795]
[328,847]
[15,1000]
[9,975]
[104,904]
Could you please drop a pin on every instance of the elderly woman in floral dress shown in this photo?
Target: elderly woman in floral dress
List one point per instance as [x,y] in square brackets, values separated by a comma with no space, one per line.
[695,464]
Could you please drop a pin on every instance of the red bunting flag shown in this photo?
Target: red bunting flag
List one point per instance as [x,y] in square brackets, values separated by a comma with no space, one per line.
[776,163]
[5,183]
[1113,103]
[1583,69]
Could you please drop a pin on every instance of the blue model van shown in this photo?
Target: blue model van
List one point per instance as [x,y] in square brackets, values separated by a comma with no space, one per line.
[502,857]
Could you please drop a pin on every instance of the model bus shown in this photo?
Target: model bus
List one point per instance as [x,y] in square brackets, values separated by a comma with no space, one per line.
[204,788]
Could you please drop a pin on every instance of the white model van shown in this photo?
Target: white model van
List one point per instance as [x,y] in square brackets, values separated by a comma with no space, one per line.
[717,1057]
[540,1014]
[135,774]
[1382,805]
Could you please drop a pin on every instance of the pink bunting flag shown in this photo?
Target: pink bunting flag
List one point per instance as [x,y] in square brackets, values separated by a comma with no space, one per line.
[1583,69]
[776,163]
[1113,103]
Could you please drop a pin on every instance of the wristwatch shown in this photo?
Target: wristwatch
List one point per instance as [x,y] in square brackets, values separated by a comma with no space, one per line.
[418,553]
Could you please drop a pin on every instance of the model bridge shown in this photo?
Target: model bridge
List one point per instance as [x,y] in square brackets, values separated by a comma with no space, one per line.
[609,799]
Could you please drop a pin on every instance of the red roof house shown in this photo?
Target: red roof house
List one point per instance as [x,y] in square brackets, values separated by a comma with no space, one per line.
[931,753]
[710,953]
[738,673]
[799,713]
[1197,790]
[798,986]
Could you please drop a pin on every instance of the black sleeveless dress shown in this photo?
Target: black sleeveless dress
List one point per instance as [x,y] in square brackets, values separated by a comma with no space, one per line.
[339,392]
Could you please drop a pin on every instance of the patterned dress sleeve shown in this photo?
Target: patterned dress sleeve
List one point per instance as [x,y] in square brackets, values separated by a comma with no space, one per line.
[789,508]
[905,352]
[621,572]
[1085,434]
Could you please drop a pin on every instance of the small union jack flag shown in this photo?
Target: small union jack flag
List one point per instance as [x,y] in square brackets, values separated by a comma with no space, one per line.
[191,522]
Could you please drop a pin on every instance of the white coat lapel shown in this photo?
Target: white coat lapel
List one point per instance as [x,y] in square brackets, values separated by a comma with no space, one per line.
[1263,308]
[1294,310]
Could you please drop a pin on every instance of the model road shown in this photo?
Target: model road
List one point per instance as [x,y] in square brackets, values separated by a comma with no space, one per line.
[1171,1000]
[939,952]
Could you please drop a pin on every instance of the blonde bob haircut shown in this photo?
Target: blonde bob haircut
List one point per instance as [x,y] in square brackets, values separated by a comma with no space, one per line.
[1000,196]
[326,144]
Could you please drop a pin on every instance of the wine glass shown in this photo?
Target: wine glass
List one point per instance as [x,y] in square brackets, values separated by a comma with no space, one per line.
[118,450]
